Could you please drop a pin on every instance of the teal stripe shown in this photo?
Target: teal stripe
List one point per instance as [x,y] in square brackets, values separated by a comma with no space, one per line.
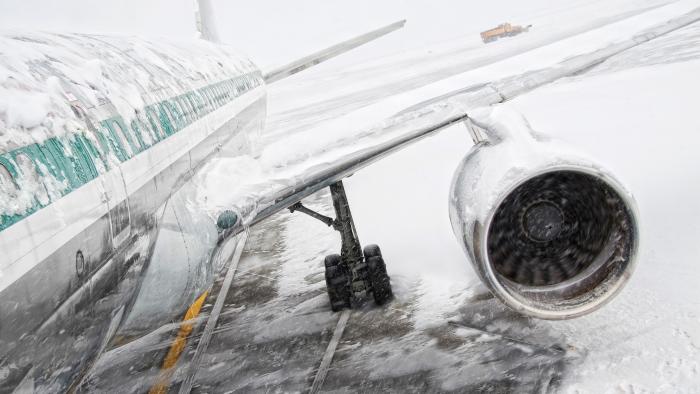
[72,159]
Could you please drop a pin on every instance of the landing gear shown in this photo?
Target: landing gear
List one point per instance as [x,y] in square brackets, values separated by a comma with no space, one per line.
[337,282]
[354,274]
[377,275]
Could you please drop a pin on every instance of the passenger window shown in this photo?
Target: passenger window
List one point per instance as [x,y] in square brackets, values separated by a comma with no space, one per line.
[120,218]
[180,114]
[166,122]
[124,216]
[7,184]
[220,94]
[144,139]
[30,180]
[82,162]
[208,102]
[189,110]
[192,100]
[171,112]
[82,114]
[125,138]
[156,127]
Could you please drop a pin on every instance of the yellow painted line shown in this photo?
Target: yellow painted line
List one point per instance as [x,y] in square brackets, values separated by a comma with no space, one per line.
[177,347]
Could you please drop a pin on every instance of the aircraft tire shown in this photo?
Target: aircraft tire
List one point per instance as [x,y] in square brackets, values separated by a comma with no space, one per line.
[371,251]
[337,282]
[379,280]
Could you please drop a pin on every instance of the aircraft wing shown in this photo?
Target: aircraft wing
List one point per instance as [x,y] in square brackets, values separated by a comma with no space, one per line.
[207,29]
[332,163]
[313,59]
[422,120]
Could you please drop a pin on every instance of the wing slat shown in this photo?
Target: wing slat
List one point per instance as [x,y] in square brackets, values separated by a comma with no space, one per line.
[434,115]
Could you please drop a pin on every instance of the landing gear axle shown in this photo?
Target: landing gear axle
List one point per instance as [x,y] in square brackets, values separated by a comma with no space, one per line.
[355,273]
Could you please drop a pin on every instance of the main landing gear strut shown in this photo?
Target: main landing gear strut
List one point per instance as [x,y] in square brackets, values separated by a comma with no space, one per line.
[355,273]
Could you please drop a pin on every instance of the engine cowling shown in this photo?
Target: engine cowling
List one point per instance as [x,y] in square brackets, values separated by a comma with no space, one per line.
[551,233]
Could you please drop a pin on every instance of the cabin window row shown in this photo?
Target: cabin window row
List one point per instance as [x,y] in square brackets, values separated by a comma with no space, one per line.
[34,175]
[159,121]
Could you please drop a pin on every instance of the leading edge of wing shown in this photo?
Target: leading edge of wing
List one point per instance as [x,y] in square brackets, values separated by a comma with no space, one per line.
[325,54]
[415,123]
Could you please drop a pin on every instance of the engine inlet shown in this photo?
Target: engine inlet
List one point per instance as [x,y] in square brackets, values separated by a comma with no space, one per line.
[560,227]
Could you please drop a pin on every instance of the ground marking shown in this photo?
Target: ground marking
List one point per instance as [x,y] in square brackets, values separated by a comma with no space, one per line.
[188,381]
[330,350]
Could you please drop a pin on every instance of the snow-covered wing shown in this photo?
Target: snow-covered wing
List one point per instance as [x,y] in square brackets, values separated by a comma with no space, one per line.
[423,119]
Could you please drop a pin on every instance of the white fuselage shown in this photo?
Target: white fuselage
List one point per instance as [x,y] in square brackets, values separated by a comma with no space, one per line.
[105,131]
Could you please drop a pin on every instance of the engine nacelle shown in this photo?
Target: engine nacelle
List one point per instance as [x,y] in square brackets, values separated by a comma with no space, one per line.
[551,234]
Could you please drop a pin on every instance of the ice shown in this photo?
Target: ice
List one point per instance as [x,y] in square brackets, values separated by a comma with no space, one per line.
[40,73]
[638,120]
[23,109]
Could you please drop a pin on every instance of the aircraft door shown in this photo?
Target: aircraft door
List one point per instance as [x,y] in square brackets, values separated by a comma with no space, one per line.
[117,201]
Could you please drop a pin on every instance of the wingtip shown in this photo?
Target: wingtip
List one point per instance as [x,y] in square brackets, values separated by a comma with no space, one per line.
[398,24]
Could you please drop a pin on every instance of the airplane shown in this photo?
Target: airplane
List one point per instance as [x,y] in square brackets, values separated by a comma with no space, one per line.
[109,132]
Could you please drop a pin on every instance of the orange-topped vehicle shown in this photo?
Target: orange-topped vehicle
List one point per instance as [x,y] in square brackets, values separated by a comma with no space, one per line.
[503,30]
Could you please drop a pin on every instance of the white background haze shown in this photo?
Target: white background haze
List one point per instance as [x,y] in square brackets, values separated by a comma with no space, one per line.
[638,118]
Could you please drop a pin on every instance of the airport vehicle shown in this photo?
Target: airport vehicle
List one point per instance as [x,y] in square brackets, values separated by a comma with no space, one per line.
[106,193]
[503,30]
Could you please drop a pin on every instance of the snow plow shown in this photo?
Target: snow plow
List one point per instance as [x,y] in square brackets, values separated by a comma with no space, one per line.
[503,30]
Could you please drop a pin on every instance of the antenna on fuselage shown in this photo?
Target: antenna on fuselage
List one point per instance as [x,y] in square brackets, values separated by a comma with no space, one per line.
[204,18]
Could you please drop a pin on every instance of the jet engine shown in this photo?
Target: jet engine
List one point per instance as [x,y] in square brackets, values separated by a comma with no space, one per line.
[552,234]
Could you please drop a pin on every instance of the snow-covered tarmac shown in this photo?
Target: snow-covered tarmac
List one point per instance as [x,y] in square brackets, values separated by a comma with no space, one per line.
[635,113]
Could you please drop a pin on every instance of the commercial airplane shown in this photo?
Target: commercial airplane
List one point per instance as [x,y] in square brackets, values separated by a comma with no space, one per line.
[104,134]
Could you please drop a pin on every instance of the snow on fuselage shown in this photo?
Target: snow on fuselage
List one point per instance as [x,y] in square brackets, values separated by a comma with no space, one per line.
[97,133]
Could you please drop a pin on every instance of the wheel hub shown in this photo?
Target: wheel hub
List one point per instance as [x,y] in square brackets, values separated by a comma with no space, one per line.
[543,221]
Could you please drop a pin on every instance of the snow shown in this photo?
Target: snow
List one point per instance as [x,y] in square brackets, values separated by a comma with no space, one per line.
[326,95]
[641,123]
[45,76]
[637,119]
[290,156]
[23,109]
[634,113]
[41,73]
[333,123]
